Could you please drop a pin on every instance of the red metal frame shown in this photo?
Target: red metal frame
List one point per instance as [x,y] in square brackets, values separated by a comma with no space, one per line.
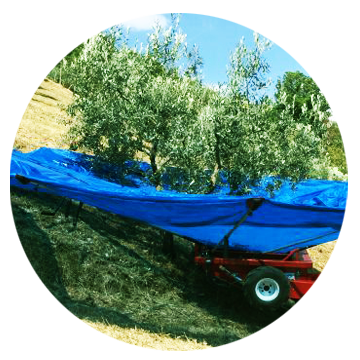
[233,266]
[297,265]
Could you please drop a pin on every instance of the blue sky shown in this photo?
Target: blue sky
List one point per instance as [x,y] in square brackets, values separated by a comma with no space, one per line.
[315,44]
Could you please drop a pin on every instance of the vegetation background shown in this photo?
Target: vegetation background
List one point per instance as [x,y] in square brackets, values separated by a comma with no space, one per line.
[111,272]
[150,101]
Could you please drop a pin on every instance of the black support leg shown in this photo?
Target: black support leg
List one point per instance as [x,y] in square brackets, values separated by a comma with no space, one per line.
[168,243]
[53,213]
[77,214]
[68,208]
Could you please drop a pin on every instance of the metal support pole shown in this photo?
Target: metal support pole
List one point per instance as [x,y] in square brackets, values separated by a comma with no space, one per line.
[235,276]
[68,207]
[77,214]
[227,236]
[168,243]
[53,213]
[252,204]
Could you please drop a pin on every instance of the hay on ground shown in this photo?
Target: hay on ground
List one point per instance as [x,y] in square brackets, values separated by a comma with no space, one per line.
[45,121]
[112,272]
[320,254]
[41,125]
[147,339]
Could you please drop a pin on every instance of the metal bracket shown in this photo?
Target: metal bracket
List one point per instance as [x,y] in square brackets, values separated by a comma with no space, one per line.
[53,213]
[67,210]
[77,214]
[25,181]
[235,276]
[252,204]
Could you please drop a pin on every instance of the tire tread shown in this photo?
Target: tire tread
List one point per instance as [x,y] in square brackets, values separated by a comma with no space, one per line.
[266,271]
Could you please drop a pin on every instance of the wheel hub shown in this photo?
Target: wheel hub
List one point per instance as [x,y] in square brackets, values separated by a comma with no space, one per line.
[267,289]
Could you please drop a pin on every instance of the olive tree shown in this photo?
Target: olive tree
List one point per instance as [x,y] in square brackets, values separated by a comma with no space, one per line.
[247,144]
[170,48]
[248,69]
[129,103]
[300,89]
[132,104]
[243,135]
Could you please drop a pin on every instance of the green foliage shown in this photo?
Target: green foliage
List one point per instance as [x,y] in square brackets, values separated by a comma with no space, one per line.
[325,171]
[252,143]
[151,102]
[302,143]
[248,68]
[300,91]
[169,48]
[129,102]
[335,148]
[85,60]
[240,130]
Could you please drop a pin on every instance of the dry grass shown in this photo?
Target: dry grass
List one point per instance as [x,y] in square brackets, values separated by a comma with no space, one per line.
[113,274]
[147,339]
[320,254]
[41,123]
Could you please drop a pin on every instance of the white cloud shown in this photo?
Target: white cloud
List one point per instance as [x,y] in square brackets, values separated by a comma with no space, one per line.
[146,23]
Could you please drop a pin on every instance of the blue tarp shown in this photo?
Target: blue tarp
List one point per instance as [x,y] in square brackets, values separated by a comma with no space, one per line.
[311,215]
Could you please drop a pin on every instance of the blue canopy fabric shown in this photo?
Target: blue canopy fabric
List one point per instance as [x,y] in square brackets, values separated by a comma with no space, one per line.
[311,215]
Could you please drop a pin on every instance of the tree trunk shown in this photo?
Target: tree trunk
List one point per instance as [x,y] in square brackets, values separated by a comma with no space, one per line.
[217,165]
[213,180]
[156,175]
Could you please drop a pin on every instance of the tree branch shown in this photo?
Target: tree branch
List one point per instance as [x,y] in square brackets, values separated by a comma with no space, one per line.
[165,161]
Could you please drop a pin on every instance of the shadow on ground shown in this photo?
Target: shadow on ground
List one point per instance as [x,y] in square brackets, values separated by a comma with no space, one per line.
[113,270]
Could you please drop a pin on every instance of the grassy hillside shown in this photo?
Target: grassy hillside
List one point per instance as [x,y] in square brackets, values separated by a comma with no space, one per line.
[113,273]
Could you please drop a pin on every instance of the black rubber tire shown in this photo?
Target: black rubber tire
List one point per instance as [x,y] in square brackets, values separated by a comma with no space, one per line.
[275,293]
